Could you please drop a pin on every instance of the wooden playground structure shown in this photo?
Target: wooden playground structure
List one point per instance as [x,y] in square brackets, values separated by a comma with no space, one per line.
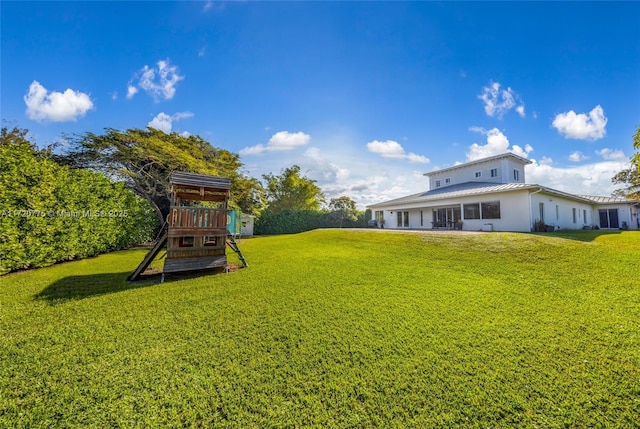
[195,237]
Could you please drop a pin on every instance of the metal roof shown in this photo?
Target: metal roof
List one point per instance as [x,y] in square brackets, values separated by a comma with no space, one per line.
[181,178]
[609,200]
[481,188]
[457,191]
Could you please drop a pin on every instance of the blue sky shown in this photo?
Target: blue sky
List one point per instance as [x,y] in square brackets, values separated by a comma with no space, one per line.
[364,96]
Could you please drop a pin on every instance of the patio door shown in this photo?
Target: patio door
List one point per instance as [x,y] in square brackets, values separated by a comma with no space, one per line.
[609,218]
[403,219]
[446,217]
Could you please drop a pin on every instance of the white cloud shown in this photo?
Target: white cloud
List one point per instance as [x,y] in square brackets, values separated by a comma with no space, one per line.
[386,149]
[279,142]
[216,6]
[164,122]
[131,91]
[611,154]
[159,82]
[341,167]
[253,150]
[284,140]
[584,179]
[580,126]
[412,157]
[577,156]
[322,167]
[393,149]
[497,143]
[44,105]
[497,102]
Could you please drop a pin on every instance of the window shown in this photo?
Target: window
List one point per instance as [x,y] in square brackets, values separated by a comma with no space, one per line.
[471,211]
[491,210]
[575,215]
[557,212]
[541,208]
[584,216]
[210,241]
[437,183]
[447,180]
[516,175]
[421,219]
[379,215]
[403,219]
[494,172]
[185,242]
[478,174]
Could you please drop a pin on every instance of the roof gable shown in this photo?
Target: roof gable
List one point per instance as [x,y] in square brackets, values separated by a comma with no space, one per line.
[508,155]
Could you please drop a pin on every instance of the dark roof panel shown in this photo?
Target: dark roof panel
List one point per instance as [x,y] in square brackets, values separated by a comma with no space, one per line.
[181,178]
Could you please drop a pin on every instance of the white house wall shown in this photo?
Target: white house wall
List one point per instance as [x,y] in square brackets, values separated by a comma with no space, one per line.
[514,207]
[463,175]
[562,216]
[505,169]
[626,214]
[518,212]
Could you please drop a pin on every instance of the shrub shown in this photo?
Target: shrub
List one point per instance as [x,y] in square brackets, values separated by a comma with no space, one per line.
[50,213]
[295,221]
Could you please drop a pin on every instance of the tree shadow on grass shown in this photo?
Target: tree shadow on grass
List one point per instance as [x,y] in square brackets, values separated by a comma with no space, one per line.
[587,235]
[87,286]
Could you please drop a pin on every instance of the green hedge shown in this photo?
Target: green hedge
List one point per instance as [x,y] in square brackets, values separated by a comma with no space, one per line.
[49,213]
[294,221]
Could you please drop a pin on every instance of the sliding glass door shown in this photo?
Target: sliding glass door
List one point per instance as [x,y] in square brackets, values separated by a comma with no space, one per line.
[609,218]
[446,217]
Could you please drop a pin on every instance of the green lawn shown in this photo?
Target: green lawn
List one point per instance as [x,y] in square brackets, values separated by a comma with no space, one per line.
[335,328]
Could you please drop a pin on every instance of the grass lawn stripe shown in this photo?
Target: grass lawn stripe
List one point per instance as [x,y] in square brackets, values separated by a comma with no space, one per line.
[335,328]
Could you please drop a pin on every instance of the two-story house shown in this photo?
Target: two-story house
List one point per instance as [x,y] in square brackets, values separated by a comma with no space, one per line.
[491,194]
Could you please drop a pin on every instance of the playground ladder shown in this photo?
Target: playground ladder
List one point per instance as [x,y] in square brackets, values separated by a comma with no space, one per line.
[231,242]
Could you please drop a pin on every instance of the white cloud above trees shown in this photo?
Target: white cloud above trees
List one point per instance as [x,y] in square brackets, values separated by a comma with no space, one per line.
[164,122]
[44,105]
[159,82]
[279,142]
[582,126]
[612,154]
[393,149]
[585,179]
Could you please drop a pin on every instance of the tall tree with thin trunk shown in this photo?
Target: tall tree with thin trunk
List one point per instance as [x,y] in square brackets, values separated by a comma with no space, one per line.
[630,176]
[145,160]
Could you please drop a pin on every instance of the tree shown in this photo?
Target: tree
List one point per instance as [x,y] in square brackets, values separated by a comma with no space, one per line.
[291,191]
[145,160]
[343,208]
[630,176]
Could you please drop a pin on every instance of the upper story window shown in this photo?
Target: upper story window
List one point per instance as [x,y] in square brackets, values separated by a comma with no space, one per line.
[437,183]
[447,180]
[516,175]
[478,174]
[494,172]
